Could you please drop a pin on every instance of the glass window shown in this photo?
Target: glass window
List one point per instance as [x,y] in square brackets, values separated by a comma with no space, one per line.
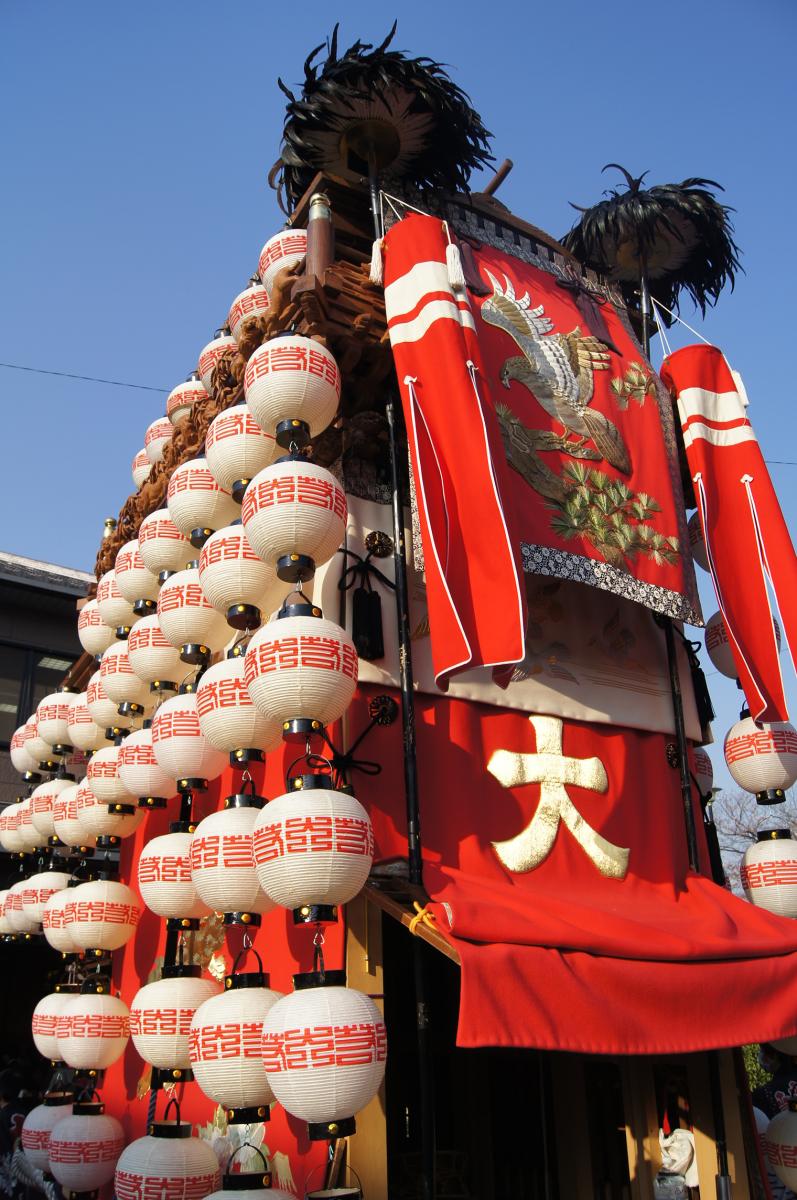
[12,672]
[26,677]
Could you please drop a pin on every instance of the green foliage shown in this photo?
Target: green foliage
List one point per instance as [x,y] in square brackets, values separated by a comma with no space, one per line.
[756,1075]
[637,384]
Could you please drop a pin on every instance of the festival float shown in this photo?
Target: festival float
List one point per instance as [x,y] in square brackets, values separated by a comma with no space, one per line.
[385,687]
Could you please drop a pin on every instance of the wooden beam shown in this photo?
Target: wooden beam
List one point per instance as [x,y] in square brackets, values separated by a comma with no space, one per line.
[403,913]
[367,1149]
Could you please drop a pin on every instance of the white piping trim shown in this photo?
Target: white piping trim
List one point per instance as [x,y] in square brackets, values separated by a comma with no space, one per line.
[766,574]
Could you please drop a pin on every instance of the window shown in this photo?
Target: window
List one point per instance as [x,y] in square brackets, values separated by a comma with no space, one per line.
[26,677]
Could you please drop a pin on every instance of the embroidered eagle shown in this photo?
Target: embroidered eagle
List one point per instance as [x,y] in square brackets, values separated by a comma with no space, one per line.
[556,368]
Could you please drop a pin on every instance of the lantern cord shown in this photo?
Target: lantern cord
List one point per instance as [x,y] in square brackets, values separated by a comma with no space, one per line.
[318,951]
[423,916]
[141,387]
[153,1100]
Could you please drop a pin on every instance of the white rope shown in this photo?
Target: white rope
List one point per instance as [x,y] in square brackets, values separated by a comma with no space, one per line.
[660,322]
[681,321]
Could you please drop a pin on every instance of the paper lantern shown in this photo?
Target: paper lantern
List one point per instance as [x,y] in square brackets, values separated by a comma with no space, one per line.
[85,1147]
[103,779]
[102,915]
[120,682]
[256,1186]
[66,821]
[324,1090]
[167,1164]
[52,718]
[301,670]
[164,878]
[182,399]
[237,448]
[769,872]
[284,249]
[38,890]
[210,355]
[195,500]
[12,838]
[235,581]
[139,770]
[780,1145]
[762,757]
[696,543]
[36,746]
[157,438]
[135,581]
[19,920]
[294,513]
[102,710]
[188,619]
[140,468]
[703,770]
[225,1047]
[42,799]
[84,732]
[55,926]
[181,748]
[152,656]
[44,1023]
[94,634]
[113,608]
[38,1126]
[227,716]
[313,846]
[222,860]
[98,820]
[161,1015]
[5,925]
[21,759]
[29,835]
[292,387]
[92,1031]
[162,546]
[252,302]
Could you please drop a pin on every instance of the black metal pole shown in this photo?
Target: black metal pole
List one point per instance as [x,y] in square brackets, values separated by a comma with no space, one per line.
[723,1179]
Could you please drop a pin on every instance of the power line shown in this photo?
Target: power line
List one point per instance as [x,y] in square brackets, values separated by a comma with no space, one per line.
[142,387]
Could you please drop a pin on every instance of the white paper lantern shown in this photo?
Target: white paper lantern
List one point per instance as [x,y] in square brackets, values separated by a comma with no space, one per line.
[85,1147]
[98,820]
[12,838]
[162,546]
[37,747]
[157,438]
[313,846]
[210,355]
[133,578]
[227,716]
[222,860]
[52,718]
[780,1145]
[196,501]
[769,872]
[42,799]
[237,448]
[301,669]
[181,748]
[140,468]
[258,1191]
[44,1022]
[113,608]
[696,543]
[161,1015]
[235,581]
[704,771]
[38,890]
[328,1086]
[102,710]
[5,924]
[92,1031]
[186,616]
[66,821]
[102,915]
[164,878]
[182,399]
[55,926]
[38,1126]
[292,379]
[29,835]
[21,759]
[284,249]
[14,912]
[152,656]
[94,634]
[252,302]
[139,770]
[762,757]
[225,1046]
[103,779]
[121,683]
[163,1166]
[294,508]
[84,732]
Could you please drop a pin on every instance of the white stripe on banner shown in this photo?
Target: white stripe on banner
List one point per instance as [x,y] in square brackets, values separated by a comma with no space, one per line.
[408,290]
[718,437]
[714,406]
[436,310]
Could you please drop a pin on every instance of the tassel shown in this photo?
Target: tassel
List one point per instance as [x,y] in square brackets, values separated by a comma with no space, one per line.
[377,275]
[456,273]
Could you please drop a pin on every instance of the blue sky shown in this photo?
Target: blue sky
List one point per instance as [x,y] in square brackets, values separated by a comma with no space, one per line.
[134,200]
